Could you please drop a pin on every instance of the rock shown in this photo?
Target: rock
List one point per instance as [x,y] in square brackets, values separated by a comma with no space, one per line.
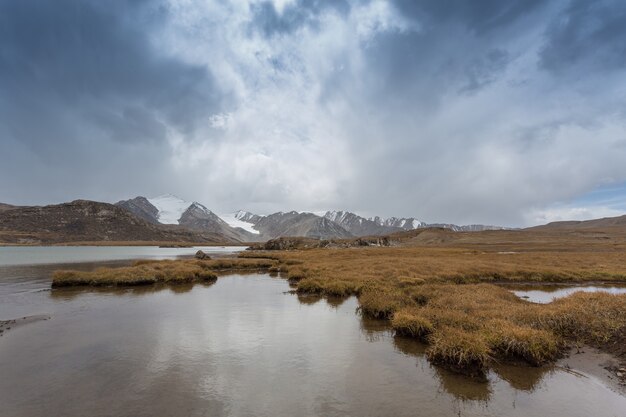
[201,255]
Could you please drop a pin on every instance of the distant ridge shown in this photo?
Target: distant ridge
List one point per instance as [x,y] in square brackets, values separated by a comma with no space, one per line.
[89,221]
[168,217]
[171,210]
[605,222]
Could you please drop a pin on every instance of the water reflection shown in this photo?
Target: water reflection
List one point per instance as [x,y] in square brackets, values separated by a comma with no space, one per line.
[523,378]
[309,299]
[375,330]
[242,347]
[65,294]
[544,294]
[334,301]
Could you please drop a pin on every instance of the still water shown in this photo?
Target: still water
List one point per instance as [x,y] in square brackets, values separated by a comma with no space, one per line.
[245,347]
[37,255]
[544,294]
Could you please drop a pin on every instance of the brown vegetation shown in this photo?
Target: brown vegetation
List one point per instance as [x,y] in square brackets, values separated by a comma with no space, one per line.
[444,294]
[148,272]
[438,286]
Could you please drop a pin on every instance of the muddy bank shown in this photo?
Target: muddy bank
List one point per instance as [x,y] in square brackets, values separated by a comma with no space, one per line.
[6,325]
[607,367]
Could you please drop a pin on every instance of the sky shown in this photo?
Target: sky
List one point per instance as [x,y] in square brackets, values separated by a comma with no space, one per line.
[487,111]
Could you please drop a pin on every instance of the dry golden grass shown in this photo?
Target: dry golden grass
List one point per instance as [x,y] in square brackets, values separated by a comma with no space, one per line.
[445,295]
[442,292]
[147,272]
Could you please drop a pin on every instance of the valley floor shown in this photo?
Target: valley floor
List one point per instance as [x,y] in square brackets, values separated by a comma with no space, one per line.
[440,287]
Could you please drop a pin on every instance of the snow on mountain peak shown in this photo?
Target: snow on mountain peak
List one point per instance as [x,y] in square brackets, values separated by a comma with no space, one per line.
[170,208]
[238,219]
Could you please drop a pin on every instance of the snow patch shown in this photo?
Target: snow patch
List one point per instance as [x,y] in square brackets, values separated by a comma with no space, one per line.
[233,221]
[170,208]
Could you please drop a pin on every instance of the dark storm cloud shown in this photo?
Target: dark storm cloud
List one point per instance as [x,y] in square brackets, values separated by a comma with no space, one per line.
[81,84]
[588,33]
[450,110]
[92,59]
[302,13]
[478,16]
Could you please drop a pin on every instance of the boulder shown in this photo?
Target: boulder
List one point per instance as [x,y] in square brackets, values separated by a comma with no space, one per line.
[201,255]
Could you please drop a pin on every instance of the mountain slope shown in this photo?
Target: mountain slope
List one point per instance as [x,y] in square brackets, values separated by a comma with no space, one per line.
[171,210]
[84,221]
[359,226]
[199,218]
[142,208]
[235,220]
[604,223]
[295,224]
[4,207]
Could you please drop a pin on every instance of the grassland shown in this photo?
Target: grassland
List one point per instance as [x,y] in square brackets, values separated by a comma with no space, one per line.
[154,272]
[440,287]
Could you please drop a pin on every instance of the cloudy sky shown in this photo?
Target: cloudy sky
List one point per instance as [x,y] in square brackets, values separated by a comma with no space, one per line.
[486,111]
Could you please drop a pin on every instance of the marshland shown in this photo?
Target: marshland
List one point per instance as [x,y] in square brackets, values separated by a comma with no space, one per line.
[446,304]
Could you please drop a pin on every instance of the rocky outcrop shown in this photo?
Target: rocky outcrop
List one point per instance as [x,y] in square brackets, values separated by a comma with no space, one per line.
[201,255]
[142,208]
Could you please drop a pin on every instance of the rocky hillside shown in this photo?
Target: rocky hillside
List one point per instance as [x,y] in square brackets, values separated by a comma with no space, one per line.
[169,209]
[199,218]
[299,224]
[89,221]
[360,226]
[4,207]
[141,207]
[378,226]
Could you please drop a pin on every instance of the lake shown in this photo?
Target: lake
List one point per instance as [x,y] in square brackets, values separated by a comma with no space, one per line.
[242,346]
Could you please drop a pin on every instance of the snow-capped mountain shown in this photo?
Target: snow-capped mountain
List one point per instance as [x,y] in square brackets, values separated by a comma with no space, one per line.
[402,223]
[246,216]
[171,210]
[361,226]
[293,223]
[357,225]
[245,226]
[241,219]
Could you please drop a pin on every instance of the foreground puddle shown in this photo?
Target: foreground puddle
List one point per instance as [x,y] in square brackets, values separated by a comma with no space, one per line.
[547,293]
[241,347]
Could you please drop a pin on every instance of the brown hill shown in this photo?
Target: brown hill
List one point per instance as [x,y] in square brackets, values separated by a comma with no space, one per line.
[4,207]
[89,221]
[604,223]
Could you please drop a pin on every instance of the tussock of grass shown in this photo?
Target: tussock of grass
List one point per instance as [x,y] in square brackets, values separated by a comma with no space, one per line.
[147,272]
[458,349]
[593,318]
[446,296]
[536,347]
[410,322]
[296,274]
[381,303]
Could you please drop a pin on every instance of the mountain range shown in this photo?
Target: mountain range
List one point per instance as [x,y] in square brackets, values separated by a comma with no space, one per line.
[169,218]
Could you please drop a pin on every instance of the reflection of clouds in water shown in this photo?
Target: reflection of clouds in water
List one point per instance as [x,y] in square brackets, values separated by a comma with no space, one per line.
[243,347]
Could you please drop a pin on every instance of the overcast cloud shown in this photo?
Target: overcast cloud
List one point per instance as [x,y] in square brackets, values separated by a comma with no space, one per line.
[490,111]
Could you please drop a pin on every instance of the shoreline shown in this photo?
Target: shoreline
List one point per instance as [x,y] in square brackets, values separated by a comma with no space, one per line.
[161,244]
[600,364]
[11,324]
